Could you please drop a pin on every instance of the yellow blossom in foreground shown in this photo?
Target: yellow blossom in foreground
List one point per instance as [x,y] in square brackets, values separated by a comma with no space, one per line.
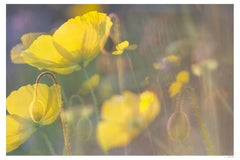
[181,79]
[122,46]
[124,117]
[28,109]
[73,45]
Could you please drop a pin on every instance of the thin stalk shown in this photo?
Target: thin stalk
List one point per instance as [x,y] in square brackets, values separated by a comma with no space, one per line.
[120,74]
[65,134]
[48,143]
[133,73]
[59,100]
[138,89]
[203,128]
[95,103]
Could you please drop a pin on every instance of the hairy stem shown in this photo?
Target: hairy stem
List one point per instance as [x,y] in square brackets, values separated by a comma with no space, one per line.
[59,100]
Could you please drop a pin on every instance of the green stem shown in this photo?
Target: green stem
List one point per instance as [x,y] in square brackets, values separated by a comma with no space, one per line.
[60,106]
[95,103]
[48,143]
[134,76]
[138,89]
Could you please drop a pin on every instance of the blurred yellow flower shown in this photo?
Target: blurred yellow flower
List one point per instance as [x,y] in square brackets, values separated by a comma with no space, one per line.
[122,46]
[89,84]
[203,67]
[181,79]
[171,59]
[29,108]
[175,88]
[73,45]
[167,61]
[124,117]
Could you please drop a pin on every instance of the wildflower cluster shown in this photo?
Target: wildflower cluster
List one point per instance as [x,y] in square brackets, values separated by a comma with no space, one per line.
[112,93]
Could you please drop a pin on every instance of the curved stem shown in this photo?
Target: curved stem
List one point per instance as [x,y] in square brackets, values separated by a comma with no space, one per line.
[62,117]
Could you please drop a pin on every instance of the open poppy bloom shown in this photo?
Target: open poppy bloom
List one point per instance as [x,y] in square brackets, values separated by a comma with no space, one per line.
[73,45]
[124,117]
[29,108]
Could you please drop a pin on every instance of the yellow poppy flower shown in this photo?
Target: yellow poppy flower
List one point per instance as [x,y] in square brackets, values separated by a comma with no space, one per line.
[124,117]
[73,45]
[122,46]
[30,107]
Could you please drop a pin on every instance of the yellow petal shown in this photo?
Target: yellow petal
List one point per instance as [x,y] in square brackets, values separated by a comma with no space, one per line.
[115,110]
[28,38]
[84,35]
[117,52]
[211,64]
[63,70]
[41,104]
[196,70]
[175,88]
[17,50]
[46,105]
[54,105]
[43,54]
[43,49]
[18,130]
[183,77]
[157,66]
[171,59]
[122,45]
[111,135]
[18,102]
[124,117]
[15,54]
[120,48]
[149,106]
[77,41]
